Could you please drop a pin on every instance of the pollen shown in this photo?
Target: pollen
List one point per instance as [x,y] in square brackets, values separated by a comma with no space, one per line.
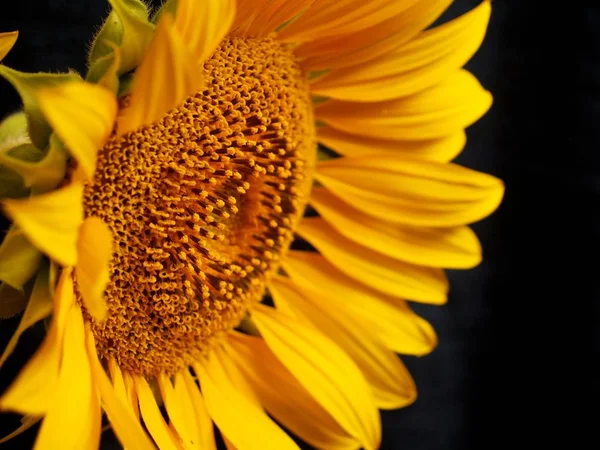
[202,205]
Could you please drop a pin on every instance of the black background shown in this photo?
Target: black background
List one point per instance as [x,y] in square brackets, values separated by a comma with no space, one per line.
[519,342]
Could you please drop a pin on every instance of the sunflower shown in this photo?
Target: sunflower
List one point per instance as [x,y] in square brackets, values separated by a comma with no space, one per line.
[202,257]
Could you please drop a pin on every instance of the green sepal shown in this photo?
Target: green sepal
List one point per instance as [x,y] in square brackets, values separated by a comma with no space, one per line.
[125,85]
[41,171]
[137,32]
[170,6]
[11,184]
[27,84]
[110,34]
[12,301]
[19,259]
[13,127]
[105,71]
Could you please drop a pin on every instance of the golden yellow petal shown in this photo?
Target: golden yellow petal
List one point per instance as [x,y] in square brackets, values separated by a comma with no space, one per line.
[390,382]
[240,420]
[202,417]
[399,327]
[123,422]
[246,11]
[442,149]
[203,25]
[455,247]
[82,115]
[38,308]
[74,418]
[168,75]
[412,192]
[283,396]
[180,411]
[51,221]
[334,52]
[382,273]
[334,18]
[94,248]
[164,437]
[413,67]
[118,383]
[7,41]
[325,371]
[34,390]
[269,16]
[439,111]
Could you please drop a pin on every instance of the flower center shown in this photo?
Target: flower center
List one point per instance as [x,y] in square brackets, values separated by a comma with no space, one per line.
[202,205]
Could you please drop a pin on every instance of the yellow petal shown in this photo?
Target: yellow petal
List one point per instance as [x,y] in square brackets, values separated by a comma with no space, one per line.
[180,411]
[38,308]
[325,371]
[83,115]
[335,52]
[384,274]
[267,17]
[456,247]
[441,149]
[246,11]
[412,192]
[168,75]
[51,221]
[74,419]
[123,422]
[118,382]
[203,25]
[7,41]
[334,18]
[95,248]
[203,420]
[243,422]
[156,425]
[19,260]
[399,327]
[392,385]
[413,67]
[439,111]
[34,390]
[284,398]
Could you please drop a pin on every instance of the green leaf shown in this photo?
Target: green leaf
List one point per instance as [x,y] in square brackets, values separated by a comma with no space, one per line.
[110,34]
[137,32]
[13,127]
[27,84]
[19,259]
[12,302]
[41,171]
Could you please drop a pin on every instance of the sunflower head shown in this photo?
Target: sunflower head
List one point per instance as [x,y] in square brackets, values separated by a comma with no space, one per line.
[155,201]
